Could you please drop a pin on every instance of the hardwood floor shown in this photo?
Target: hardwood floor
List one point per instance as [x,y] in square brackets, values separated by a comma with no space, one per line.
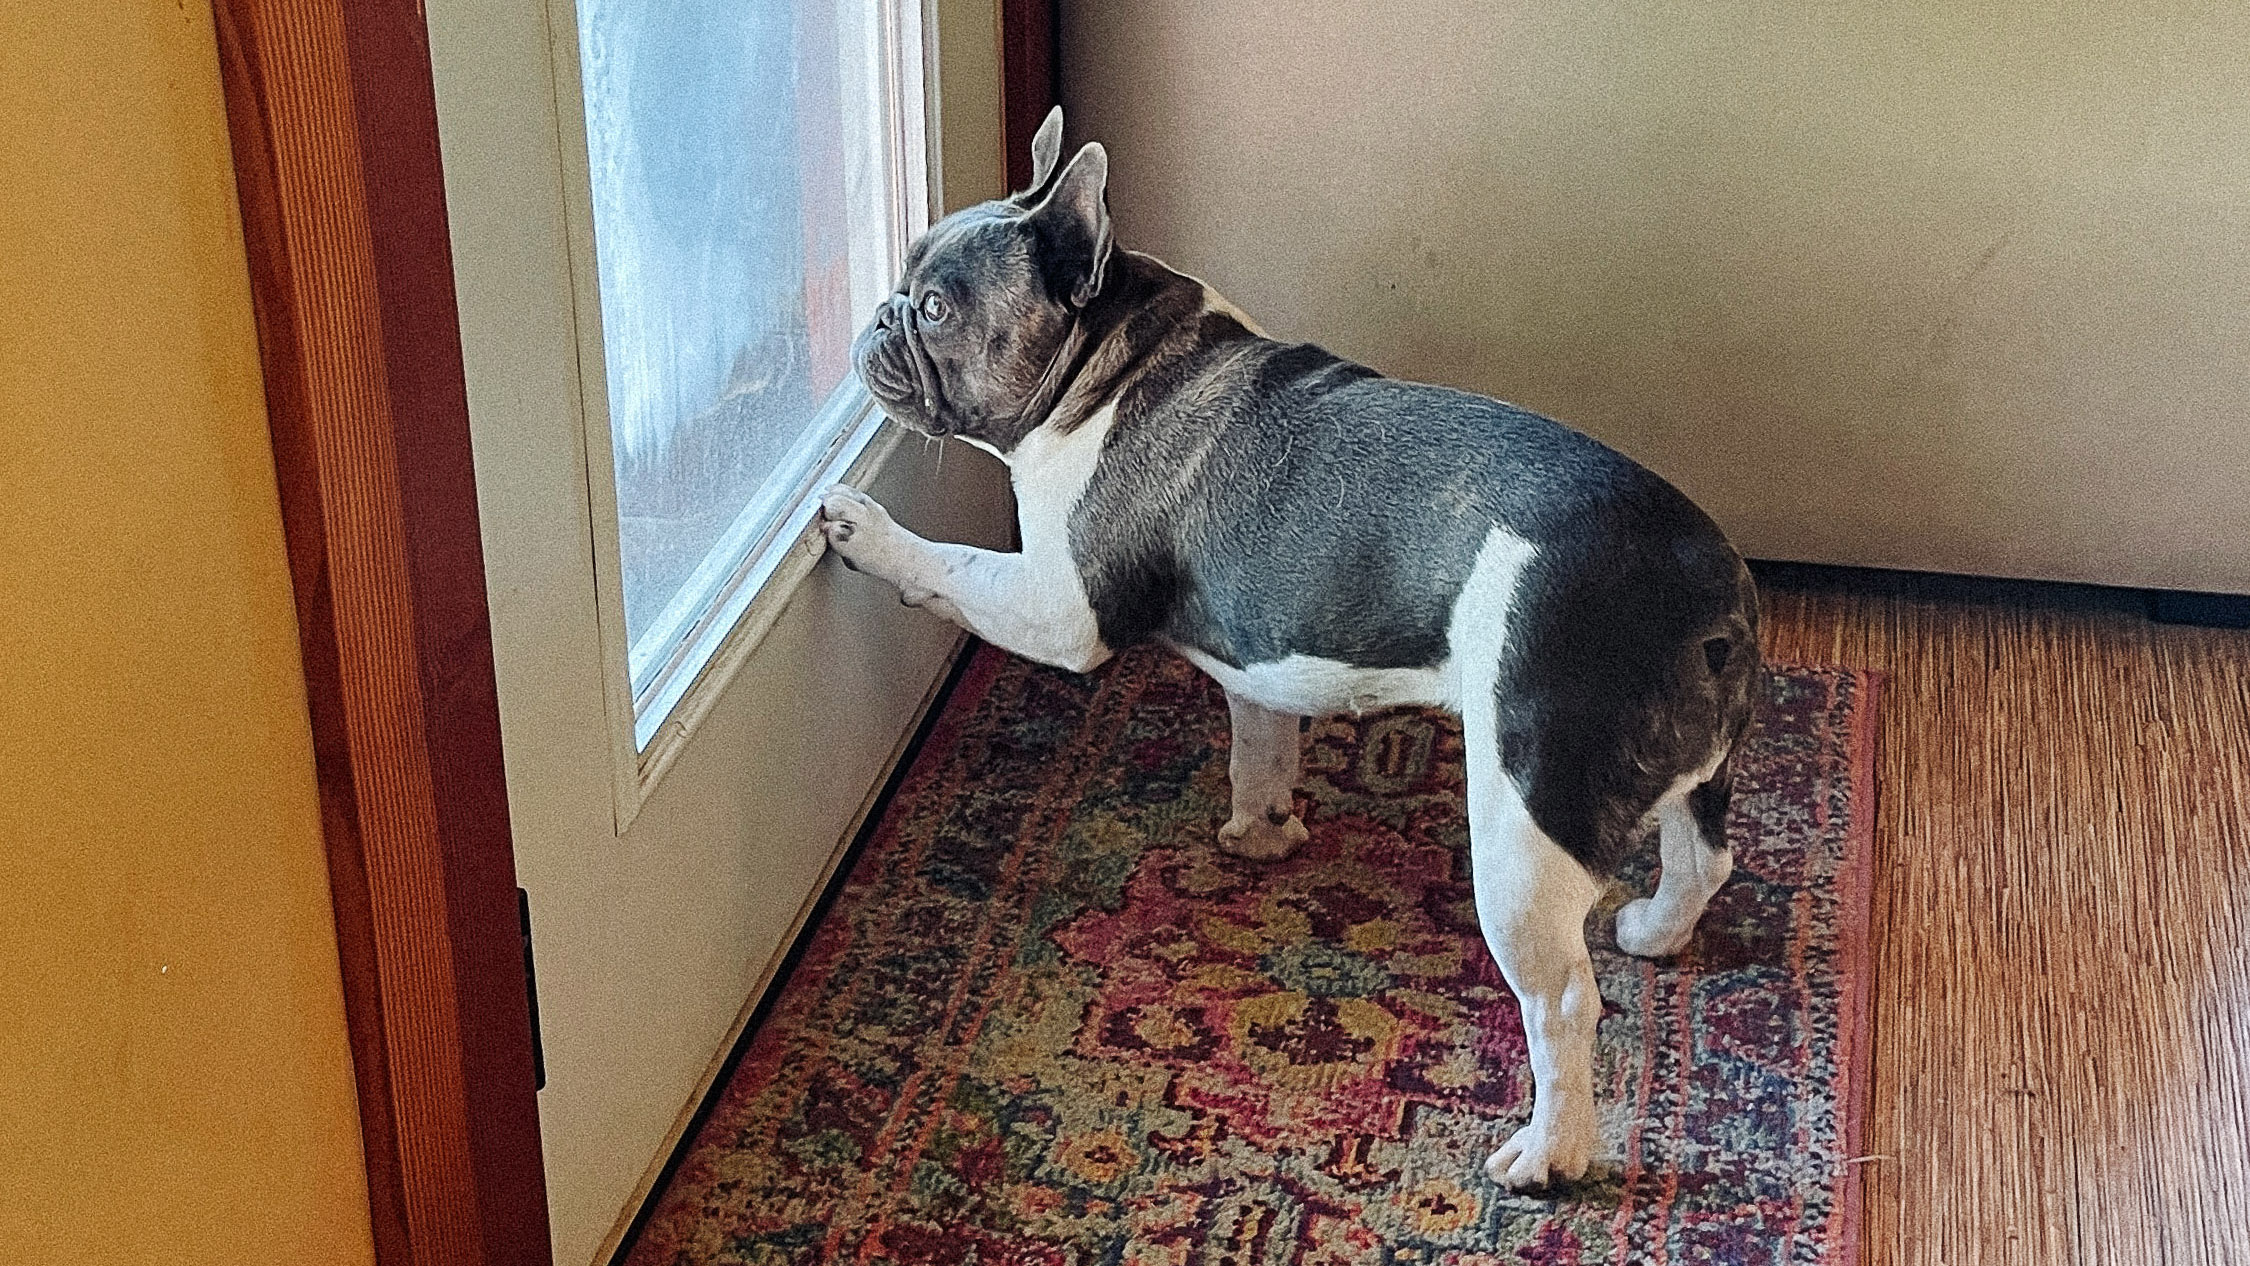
[2062,1041]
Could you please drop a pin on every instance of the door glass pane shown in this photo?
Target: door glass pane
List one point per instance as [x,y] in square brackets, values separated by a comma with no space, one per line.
[744,163]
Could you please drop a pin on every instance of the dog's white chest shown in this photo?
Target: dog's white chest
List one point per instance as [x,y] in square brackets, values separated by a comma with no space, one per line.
[1050,471]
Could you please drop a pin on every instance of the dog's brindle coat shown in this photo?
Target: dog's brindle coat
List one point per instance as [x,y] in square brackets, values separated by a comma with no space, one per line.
[1320,538]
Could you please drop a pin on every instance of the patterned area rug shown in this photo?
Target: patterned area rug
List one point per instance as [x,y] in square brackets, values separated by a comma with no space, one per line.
[1046,1021]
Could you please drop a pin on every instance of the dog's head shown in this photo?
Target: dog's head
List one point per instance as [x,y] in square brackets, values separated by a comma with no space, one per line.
[976,335]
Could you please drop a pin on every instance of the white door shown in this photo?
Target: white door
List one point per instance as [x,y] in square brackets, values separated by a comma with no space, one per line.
[667,220]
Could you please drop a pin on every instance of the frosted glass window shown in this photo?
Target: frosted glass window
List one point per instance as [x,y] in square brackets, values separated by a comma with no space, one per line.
[749,195]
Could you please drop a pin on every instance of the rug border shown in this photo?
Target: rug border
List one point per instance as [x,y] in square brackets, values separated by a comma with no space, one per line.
[1856,954]
[1867,739]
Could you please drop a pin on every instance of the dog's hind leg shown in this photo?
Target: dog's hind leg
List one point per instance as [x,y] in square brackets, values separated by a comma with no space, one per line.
[1263,766]
[1691,827]
[1532,901]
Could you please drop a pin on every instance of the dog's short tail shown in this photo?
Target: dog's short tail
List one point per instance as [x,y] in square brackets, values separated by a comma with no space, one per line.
[1719,676]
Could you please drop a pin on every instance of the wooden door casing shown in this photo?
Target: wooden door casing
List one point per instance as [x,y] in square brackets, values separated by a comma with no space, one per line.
[334,129]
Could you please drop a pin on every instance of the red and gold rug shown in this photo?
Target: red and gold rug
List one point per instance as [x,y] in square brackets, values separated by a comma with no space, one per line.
[1046,1021]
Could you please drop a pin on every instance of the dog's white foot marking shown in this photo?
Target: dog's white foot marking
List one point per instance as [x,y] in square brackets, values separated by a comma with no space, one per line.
[1265,837]
[1262,766]
[1545,1152]
[1660,926]
[853,522]
[865,536]
[1643,933]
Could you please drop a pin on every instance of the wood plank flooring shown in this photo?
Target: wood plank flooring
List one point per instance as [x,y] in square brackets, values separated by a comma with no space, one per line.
[2062,1041]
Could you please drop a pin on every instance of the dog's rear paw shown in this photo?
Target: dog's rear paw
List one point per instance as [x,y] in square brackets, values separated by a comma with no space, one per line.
[1641,935]
[1536,1157]
[1262,838]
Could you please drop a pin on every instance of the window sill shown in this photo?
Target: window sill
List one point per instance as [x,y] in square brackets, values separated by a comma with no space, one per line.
[743,617]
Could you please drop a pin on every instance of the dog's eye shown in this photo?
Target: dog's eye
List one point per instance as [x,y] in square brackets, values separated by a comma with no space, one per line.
[934,308]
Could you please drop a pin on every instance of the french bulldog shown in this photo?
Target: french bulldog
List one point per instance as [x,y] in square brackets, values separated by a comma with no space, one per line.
[1322,539]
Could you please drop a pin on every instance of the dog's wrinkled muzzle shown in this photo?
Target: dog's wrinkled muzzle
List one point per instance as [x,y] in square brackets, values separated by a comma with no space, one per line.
[894,369]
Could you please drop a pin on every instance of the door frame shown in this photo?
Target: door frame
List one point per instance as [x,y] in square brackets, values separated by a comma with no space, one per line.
[332,114]
[334,129]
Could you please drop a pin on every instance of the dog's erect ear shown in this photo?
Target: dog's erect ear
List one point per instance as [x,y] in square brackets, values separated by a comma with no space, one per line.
[1046,147]
[1072,227]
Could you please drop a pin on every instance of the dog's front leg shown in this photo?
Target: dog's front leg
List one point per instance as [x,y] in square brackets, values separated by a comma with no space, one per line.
[1029,604]
[1263,767]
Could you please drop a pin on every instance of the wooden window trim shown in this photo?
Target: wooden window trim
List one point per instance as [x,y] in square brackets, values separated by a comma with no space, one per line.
[334,126]
[1030,79]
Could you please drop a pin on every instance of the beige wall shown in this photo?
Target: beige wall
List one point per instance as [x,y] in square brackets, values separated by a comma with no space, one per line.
[175,1084]
[1927,283]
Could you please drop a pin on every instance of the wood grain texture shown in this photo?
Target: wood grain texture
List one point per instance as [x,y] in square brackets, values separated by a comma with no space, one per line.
[2062,1012]
[1030,68]
[334,131]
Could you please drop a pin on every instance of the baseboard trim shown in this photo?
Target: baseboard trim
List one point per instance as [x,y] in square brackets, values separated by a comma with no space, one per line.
[2205,610]
[2161,606]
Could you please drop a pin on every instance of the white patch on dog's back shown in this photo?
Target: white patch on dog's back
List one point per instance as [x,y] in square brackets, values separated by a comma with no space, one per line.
[1213,301]
[1309,685]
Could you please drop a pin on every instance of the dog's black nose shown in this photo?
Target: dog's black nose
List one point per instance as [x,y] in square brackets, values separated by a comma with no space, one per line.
[886,317]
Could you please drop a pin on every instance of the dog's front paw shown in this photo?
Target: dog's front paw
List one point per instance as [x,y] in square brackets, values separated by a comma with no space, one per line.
[1266,837]
[1641,935]
[1543,1153]
[864,535]
[852,521]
